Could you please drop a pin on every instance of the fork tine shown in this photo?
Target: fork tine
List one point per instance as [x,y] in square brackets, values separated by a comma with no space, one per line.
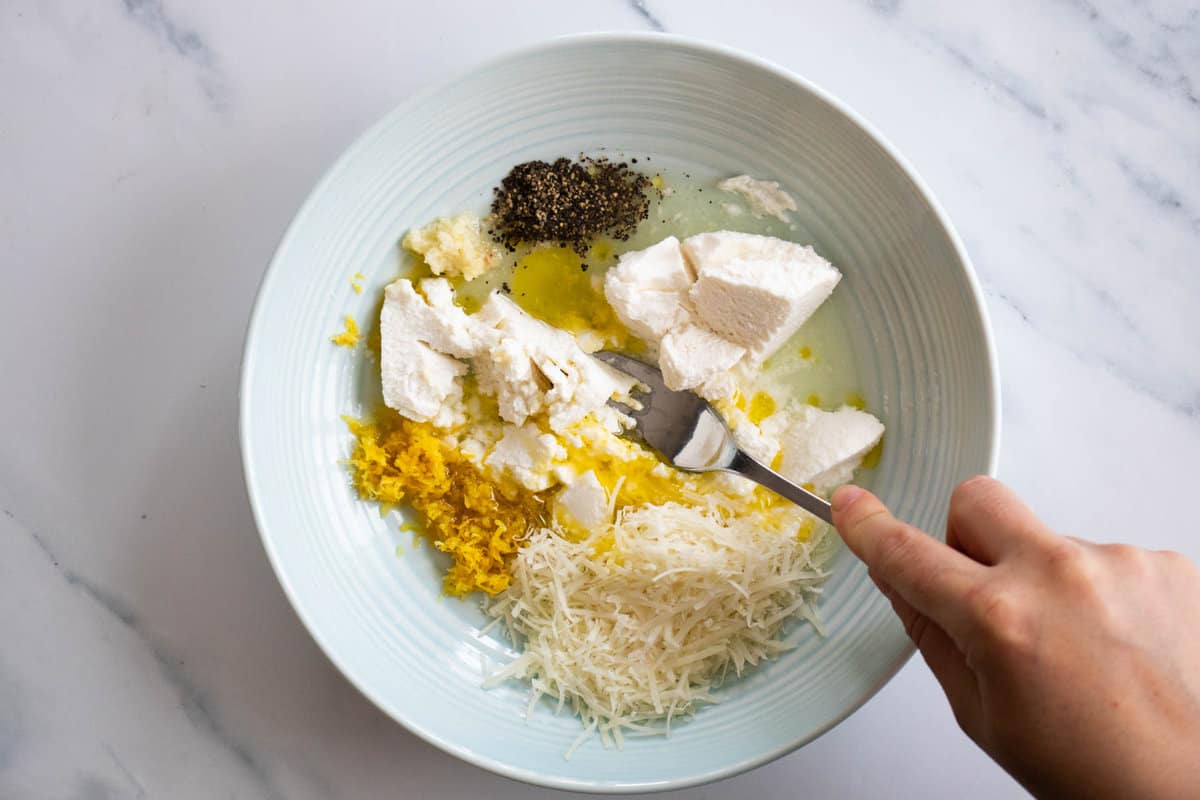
[622,407]
[631,366]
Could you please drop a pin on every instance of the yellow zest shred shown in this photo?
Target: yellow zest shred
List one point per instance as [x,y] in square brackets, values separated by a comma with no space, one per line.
[397,460]
[356,282]
[348,337]
[856,400]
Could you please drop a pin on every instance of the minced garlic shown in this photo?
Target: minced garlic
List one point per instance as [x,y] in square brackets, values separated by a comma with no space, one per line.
[466,516]
[456,247]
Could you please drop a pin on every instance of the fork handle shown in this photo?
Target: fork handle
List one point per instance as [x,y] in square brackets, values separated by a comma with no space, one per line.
[746,466]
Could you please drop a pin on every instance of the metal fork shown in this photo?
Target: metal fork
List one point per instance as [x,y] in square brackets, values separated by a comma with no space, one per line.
[689,433]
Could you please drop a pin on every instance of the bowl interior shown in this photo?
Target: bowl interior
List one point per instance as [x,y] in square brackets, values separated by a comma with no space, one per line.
[911,310]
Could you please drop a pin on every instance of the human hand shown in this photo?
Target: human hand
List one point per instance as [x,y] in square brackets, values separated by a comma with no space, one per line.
[1076,666]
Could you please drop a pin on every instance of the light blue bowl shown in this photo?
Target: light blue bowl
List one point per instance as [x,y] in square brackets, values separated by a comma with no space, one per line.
[914,315]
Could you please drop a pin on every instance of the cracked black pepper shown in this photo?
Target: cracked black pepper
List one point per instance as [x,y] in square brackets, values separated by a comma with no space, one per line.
[569,202]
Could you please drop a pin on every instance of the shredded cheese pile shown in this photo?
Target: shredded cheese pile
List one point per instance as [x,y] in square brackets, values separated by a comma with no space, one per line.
[397,460]
[642,621]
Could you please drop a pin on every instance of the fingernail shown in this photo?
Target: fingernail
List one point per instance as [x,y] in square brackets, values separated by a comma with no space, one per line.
[846,496]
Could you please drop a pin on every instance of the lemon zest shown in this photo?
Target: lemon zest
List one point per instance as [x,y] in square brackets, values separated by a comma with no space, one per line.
[475,522]
[350,336]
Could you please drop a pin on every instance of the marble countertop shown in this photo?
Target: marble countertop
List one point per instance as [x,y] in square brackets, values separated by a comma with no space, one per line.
[151,153]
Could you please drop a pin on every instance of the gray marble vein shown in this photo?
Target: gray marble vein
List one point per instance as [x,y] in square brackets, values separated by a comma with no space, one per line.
[1160,192]
[193,700]
[639,6]
[1156,58]
[1185,402]
[886,7]
[1060,118]
[990,74]
[995,76]
[135,784]
[186,43]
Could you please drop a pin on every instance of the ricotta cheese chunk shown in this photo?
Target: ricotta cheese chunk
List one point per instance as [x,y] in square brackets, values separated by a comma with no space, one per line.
[526,454]
[756,291]
[533,367]
[823,448]
[693,357]
[648,289]
[530,367]
[757,441]
[430,316]
[584,503]
[421,383]
[420,377]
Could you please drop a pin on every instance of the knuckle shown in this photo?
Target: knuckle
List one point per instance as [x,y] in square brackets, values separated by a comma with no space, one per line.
[1071,563]
[1130,559]
[970,492]
[1002,619]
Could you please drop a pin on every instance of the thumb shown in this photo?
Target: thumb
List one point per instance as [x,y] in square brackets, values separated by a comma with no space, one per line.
[929,576]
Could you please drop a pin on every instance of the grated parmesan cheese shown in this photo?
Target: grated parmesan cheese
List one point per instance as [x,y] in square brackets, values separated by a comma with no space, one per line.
[639,623]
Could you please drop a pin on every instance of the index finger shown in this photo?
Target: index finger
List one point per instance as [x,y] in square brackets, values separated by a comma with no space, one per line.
[933,578]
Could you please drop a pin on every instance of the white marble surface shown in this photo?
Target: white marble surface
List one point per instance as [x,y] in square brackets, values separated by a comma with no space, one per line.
[151,153]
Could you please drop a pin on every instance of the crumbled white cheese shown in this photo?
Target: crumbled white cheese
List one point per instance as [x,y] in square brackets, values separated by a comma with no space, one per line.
[529,366]
[526,454]
[534,367]
[693,357]
[584,503]
[506,372]
[419,379]
[421,383]
[648,289]
[823,448]
[765,198]
[430,316]
[754,440]
[455,246]
[756,291]
[478,439]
